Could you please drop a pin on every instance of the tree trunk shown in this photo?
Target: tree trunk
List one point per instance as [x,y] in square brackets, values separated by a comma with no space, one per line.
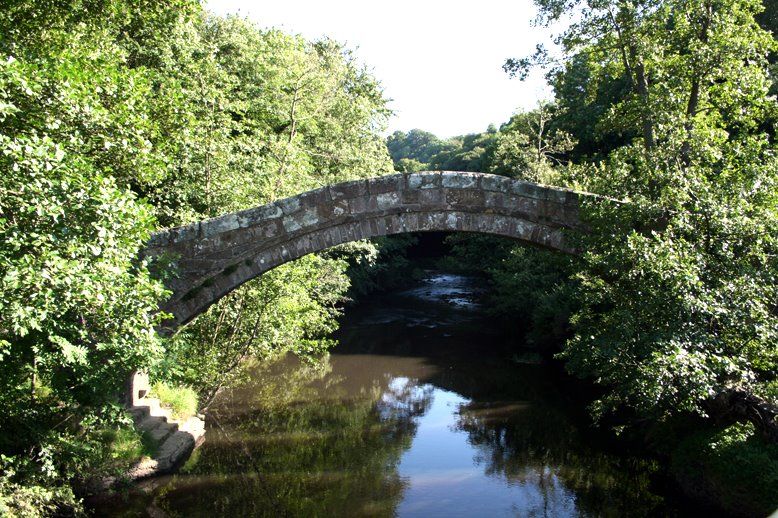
[641,86]
[694,93]
[744,406]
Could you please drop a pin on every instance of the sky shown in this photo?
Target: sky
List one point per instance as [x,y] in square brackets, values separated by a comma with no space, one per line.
[439,62]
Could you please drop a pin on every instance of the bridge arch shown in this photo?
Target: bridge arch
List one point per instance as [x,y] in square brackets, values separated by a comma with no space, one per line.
[215,256]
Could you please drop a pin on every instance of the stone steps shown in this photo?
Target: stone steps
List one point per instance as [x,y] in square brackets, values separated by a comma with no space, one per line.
[176,439]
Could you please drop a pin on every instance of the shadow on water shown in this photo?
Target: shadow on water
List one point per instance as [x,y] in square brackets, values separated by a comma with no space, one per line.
[418,412]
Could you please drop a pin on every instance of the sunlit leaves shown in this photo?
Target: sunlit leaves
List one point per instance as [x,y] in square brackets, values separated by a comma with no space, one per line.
[268,115]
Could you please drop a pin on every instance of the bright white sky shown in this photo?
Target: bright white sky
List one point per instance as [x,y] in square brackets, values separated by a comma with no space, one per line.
[440,62]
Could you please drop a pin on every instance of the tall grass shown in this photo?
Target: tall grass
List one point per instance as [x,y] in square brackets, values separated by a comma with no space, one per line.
[181,400]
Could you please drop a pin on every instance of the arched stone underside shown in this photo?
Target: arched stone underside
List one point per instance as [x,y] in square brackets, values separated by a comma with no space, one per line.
[215,256]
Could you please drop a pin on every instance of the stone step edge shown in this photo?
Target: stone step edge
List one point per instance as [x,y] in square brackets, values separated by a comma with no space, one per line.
[176,438]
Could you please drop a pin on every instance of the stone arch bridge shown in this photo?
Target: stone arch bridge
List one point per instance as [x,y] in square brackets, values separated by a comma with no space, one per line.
[215,256]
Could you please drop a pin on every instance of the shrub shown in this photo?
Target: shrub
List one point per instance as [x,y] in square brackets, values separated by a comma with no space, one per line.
[732,467]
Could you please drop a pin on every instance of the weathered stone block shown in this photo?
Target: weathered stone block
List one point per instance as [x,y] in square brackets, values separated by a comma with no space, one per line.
[452,220]
[289,205]
[355,232]
[219,225]
[334,210]
[367,229]
[409,222]
[301,220]
[380,227]
[302,246]
[525,207]
[382,184]
[332,237]
[494,200]
[456,180]
[196,265]
[437,220]
[316,197]
[221,255]
[484,223]
[316,241]
[424,180]
[388,200]
[465,199]
[501,225]
[495,183]
[348,190]
[410,197]
[540,234]
[360,205]
[258,215]
[262,259]
[393,224]
[523,229]
[283,252]
[433,198]
[346,234]
[265,230]
[528,190]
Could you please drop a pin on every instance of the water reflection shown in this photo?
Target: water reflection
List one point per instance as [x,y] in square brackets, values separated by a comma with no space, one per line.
[324,442]
[432,422]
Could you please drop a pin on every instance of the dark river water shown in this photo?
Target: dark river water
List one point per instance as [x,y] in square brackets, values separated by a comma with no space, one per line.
[420,411]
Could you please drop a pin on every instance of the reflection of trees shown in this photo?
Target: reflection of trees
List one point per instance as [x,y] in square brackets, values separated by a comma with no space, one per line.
[403,400]
[295,442]
[536,444]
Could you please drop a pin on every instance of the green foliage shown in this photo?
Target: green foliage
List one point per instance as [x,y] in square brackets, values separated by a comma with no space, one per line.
[585,94]
[530,288]
[378,264]
[122,445]
[419,150]
[529,148]
[467,153]
[288,309]
[414,150]
[180,399]
[533,285]
[78,309]
[260,115]
[731,466]
[679,309]
[31,500]
[467,252]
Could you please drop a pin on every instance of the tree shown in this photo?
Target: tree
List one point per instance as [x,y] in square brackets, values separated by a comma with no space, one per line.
[528,147]
[266,115]
[78,309]
[679,315]
[416,145]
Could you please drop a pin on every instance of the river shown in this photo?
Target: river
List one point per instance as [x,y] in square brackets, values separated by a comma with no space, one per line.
[420,411]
